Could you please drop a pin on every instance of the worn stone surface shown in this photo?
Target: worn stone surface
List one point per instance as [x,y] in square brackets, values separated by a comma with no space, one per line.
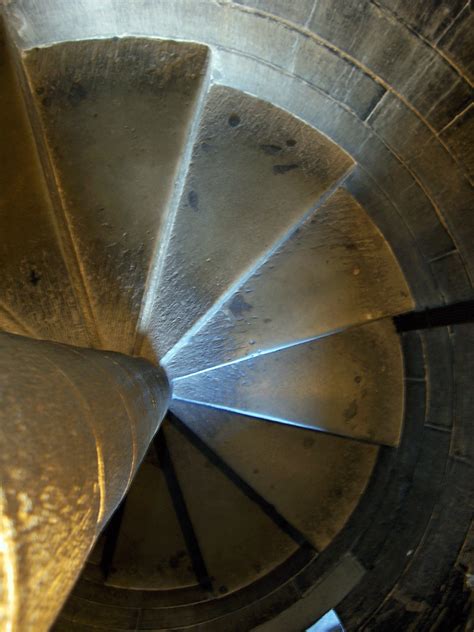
[450,191]
[334,271]
[380,79]
[77,610]
[391,175]
[412,202]
[255,171]
[452,278]
[309,482]
[354,88]
[35,274]
[457,43]
[325,384]
[434,592]
[398,56]
[114,125]
[141,559]
[254,534]
[430,18]
[75,425]
[383,212]
[297,12]
[459,136]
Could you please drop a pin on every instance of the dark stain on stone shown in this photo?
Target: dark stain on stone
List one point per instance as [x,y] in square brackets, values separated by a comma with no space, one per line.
[291,142]
[234,120]
[35,278]
[193,200]
[351,411]
[46,101]
[175,559]
[39,90]
[77,93]
[357,379]
[223,589]
[271,150]
[267,320]
[282,169]
[238,306]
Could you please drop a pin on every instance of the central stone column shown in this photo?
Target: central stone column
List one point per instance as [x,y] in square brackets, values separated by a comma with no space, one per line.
[74,426]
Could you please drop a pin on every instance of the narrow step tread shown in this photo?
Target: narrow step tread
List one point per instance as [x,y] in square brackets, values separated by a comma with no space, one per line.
[313,480]
[334,271]
[349,384]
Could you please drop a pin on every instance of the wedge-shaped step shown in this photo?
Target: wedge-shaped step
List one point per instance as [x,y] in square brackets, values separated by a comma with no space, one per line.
[150,553]
[254,172]
[335,270]
[36,294]
[115,116]
[314,480]
[349,384]
[238,541]
[9,322]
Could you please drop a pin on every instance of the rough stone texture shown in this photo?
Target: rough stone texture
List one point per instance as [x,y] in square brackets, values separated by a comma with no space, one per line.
[380,550]
[376,159]
[297,12]
[430,18]
[281,385]
[452,278]
[35,275]
[412,202]
[74,426]
[458,44]
[320,65]
[397,55]
[381,209]
[459,137]
[434,593]
[334,271]
[254,173]
[430,480]
[115,123]
[449,189]
[422,63]
[408,529]
[77,611]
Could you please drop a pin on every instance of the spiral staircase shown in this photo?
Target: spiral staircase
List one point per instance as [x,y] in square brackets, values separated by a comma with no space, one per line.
[272,201]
